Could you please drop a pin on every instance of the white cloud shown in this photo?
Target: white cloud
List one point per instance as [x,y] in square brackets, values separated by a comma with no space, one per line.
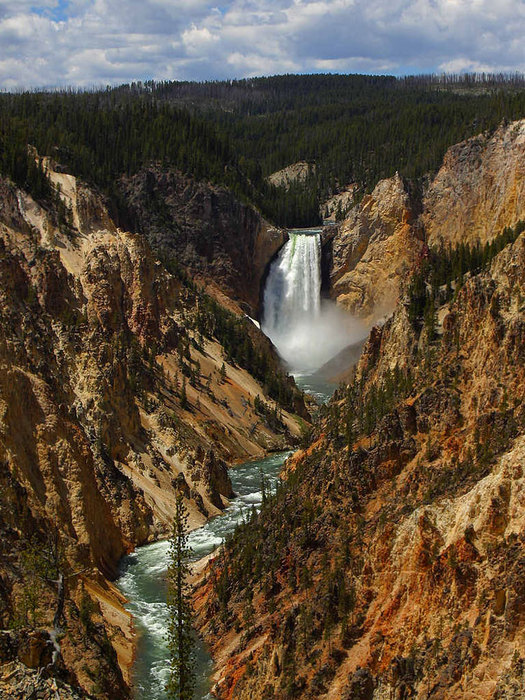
[198,42]
[255,64]
[465,65]
[361,64]
[86,42]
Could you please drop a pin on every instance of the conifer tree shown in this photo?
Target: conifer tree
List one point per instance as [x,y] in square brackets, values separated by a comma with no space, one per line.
[180,636]
[183,395]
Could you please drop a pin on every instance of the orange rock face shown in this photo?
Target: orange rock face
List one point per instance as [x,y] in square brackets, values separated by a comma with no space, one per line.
[374,249]
[478,191]
[391,563]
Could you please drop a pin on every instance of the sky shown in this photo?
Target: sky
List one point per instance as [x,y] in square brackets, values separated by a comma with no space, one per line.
[93,43]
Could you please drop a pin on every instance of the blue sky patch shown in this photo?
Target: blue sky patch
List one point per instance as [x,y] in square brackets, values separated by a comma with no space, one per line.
[56,14]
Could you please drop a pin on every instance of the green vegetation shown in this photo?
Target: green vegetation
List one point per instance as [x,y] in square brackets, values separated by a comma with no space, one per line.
[354,128]
[362,128]
[100,139]
[213,321]
[278,560]
[42,564]
[441,274]
[364,407]
[180,635]
[271,416]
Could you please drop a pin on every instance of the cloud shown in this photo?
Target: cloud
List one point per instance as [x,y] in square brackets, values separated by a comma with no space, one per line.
[199,42]
[86,42]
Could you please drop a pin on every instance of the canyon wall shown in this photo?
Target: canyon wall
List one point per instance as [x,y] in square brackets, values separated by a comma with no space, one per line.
[205,229]
[374,249]
[392,560]
[478,191]
[390,564]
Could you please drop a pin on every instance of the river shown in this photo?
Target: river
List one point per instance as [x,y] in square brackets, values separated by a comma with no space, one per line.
[143,582]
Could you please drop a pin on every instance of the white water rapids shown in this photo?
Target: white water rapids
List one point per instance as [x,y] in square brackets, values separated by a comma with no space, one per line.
[143,582]
[306,330]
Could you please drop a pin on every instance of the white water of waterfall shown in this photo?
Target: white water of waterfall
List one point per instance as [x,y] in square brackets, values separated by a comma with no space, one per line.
[306,330]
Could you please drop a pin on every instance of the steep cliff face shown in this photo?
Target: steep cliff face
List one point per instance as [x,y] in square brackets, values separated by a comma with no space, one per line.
[205,229]
[391,564]
[115,394]
[337,206]
[478,191]
[374,249]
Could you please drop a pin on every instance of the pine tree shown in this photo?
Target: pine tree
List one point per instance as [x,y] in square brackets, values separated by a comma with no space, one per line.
[180,636]
[183,395]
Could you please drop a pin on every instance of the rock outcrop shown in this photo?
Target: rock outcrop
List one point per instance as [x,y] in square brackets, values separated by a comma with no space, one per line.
[478,191]
[295,173]
[374,249]
[337,207]
[204,229]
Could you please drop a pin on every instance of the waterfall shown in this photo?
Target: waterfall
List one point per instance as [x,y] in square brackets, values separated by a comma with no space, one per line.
[306,332]
[293,288]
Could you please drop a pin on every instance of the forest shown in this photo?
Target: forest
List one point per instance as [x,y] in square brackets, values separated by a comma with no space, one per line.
[354,128]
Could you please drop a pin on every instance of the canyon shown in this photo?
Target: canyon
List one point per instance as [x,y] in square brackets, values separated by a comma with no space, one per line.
[390,562]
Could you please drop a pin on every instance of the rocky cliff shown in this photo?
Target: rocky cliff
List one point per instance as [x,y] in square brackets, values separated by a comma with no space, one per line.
[374,249]
[120,385]
[478,191]
[205,229]
[294,173]
[337,207]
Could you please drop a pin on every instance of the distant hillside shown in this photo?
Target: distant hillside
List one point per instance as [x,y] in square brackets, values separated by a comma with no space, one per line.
[354,128]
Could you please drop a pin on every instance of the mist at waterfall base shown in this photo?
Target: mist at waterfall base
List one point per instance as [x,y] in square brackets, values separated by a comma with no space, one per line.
[309,342]
[306,330]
